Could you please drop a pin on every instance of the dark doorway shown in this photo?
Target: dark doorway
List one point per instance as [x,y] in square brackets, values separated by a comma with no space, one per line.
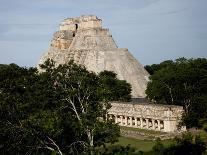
[76,26]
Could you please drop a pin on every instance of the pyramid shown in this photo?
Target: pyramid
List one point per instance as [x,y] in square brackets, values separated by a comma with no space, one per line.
[85,41]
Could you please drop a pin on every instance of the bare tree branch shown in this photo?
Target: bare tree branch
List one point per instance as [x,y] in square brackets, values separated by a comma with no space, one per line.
[52,142]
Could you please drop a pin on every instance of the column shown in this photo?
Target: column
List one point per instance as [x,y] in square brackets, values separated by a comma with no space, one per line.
[135,119]
[123,120]
[141,123]
[153,124]
[121,117]
[130,121]
[116,118]
[147,123]
[158,123]
[126,121]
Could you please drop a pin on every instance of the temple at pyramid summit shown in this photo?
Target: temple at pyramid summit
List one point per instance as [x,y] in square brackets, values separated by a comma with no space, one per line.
[84,40]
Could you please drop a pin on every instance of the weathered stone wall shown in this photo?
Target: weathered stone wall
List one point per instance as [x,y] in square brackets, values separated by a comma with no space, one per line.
[149,136]
[156,117]
[83,22]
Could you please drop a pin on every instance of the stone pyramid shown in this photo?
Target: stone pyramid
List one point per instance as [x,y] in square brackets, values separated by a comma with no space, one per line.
[85,41]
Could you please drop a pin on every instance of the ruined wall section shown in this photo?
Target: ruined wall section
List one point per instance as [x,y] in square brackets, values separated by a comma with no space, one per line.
[93,39]
[83,22]
[62,39]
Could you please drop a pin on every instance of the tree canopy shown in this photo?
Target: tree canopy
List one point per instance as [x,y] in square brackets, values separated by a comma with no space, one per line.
[61,110]
[185,145]
[181,82]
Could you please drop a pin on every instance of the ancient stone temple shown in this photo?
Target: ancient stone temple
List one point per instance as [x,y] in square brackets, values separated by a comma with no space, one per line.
[85,41]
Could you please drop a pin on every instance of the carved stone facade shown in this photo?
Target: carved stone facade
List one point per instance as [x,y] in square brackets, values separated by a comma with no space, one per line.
[84,40]
[156,117]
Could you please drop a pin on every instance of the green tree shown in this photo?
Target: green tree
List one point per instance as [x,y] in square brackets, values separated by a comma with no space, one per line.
[183,82]
[186,145]
[158,148]
[79,88]
[29,121]
[155,67]
[59,110]
[112,89]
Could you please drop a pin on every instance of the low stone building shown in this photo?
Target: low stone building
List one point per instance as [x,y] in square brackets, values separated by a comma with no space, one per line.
[165,118]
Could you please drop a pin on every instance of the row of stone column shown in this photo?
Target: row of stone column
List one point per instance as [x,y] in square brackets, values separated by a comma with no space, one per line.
[144,123]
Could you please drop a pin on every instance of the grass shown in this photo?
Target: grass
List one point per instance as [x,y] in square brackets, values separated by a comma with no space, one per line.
[146,145]
[143,130]
[142,145]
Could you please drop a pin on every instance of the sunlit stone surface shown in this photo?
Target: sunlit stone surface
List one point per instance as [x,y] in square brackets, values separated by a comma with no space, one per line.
[85,41]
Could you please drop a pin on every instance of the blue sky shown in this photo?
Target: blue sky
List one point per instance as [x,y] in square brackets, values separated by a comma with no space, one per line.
[152,30]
